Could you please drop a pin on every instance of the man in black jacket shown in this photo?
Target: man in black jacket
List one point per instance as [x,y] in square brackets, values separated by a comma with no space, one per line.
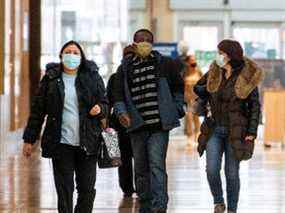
[148,96]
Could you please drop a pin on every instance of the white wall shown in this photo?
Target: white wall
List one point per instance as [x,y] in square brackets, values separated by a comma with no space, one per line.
[233,4]
[136,21]
[264,12]
[195,4]
[137,4]
[258,4]
[238,13]
[136,17]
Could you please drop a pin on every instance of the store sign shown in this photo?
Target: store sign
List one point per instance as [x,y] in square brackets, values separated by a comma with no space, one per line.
[166,49]
[204,58]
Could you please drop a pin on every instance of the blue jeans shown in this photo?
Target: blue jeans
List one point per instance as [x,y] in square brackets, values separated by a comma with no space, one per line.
[217,145]
[150,151]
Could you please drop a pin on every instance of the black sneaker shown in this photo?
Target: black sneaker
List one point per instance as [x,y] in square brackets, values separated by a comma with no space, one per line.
[144,210]
[220,208]
[159,211]
[128,194]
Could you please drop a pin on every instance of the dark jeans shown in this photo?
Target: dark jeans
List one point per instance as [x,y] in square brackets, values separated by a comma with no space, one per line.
[150,151]
[73,160]
[217,145]
[126,178]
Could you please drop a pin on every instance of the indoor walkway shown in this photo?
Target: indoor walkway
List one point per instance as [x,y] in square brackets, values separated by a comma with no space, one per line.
[26,186]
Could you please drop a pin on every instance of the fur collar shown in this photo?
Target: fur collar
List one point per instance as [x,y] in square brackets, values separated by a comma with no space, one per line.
[249,78]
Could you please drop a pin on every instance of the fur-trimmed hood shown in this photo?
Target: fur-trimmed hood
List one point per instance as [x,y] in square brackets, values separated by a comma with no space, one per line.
[249,78]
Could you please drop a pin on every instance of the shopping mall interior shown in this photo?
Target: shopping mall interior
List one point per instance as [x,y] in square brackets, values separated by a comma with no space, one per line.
[33,32]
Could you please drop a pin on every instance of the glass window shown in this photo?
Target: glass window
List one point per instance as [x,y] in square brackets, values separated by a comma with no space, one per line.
[100,26]
[203,42]
[259,42]
[283,43]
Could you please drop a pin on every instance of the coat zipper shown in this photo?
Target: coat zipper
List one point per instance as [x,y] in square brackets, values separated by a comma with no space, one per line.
[80,122]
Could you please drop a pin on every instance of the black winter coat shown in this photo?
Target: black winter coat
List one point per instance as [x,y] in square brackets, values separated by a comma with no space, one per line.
[241,98]
[48,104]
[113,119]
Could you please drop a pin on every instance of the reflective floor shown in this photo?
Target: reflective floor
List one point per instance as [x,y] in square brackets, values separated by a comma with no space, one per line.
[26,186]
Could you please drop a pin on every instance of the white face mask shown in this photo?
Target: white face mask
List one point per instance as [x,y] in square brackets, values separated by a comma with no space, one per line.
[220,60]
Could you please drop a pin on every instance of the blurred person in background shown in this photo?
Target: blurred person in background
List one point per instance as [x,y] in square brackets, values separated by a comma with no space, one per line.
[191,77]
[182,61]
[230,87]
[126,176]
[149,98]
[71,97]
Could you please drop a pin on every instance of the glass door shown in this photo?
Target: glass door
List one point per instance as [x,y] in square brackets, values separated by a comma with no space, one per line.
[202,39]
[260,41]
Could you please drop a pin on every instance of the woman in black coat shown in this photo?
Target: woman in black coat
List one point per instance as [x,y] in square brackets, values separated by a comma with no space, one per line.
[71,98]
[230,87]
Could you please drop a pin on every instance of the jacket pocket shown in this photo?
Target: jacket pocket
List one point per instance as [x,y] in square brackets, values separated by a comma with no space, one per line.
[50,133]
[92,134]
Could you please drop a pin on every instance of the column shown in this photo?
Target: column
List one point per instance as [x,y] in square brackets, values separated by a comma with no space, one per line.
[35,44]
[2,53]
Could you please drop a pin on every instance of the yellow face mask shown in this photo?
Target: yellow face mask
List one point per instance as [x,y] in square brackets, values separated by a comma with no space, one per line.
[143,49]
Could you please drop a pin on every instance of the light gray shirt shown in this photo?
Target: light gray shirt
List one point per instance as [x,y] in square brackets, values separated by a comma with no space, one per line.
[70,116]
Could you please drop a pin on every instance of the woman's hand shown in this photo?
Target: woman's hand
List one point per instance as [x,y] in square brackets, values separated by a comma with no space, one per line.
[27,150]
[249,138]
[125,119]
[96,110]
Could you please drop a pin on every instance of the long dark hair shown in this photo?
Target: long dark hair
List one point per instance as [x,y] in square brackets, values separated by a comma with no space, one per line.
[237,64]
[82,65]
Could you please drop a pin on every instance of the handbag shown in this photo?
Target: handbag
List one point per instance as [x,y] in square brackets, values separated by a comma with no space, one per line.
[109,155]
[207,129]
[199,107]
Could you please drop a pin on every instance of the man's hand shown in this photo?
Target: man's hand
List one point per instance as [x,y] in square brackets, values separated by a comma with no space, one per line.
[104,123]
[95,110]
[129,51]
[125,119]
[27,149]
[249,138]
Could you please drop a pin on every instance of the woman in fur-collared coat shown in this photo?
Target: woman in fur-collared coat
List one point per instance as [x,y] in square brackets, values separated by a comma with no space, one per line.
[230,88]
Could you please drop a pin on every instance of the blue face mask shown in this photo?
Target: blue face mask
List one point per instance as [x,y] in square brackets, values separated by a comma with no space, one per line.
[220,60]
[71,61]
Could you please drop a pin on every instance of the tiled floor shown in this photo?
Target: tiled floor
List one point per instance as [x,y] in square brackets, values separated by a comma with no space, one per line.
[26,186]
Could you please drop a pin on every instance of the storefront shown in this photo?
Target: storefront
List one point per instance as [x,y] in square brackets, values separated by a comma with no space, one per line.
[258,25]
[100,26]
[2,68]
[2,45]
[14,69]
